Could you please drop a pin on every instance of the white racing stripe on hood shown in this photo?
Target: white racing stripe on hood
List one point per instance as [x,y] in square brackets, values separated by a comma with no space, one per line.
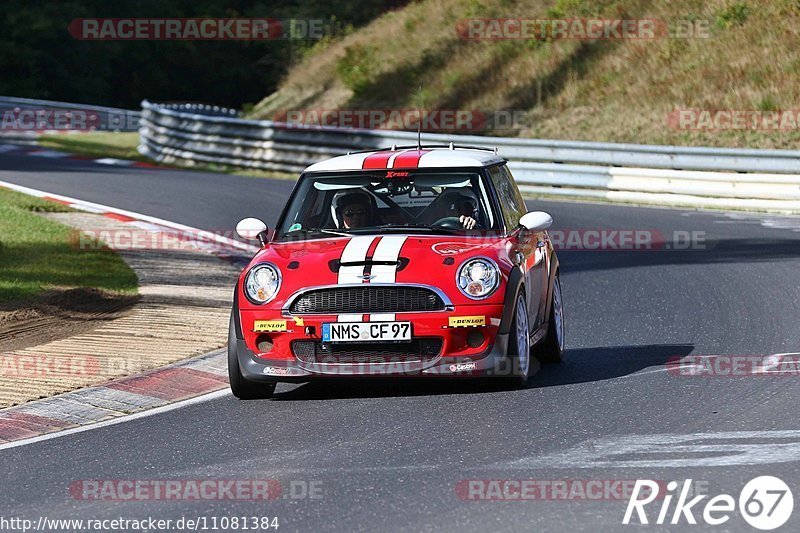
[355,250]
[387,250]
[382,317]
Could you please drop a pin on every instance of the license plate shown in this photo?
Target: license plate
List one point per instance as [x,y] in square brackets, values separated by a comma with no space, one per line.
[366,331]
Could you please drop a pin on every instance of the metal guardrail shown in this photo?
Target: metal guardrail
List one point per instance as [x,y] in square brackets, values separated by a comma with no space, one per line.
[666,175]
[91,117]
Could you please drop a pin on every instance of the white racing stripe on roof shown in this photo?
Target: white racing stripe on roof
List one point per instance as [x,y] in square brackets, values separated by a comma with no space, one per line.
[458,158]
[435,158]
[344,162]
[390,163]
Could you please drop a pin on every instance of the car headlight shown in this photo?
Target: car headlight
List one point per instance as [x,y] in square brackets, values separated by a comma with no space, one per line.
[262,283]
[478,278]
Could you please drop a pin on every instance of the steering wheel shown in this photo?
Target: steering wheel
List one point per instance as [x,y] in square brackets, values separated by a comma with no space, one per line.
[449,223]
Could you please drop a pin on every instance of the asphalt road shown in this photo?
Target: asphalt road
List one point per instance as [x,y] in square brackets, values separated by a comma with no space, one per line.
[393,456]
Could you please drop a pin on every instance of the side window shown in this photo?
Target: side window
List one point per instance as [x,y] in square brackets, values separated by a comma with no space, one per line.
[511,202]
[519,202]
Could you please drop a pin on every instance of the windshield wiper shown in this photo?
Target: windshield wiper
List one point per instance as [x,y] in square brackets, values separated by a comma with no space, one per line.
[339,233]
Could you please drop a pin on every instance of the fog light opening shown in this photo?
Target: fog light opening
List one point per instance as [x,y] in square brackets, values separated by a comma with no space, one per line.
[475,338]
[264,343]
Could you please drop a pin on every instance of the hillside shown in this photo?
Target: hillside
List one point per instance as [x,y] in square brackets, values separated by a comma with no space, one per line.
[604,90]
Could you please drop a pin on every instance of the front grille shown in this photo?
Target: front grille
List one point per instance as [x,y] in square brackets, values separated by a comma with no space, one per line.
[366,299]
[418,350]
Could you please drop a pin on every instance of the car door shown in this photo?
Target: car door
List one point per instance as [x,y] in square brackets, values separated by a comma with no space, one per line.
[527,247]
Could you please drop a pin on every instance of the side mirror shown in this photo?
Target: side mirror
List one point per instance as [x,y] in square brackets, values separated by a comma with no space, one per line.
[252,228]
[536,221]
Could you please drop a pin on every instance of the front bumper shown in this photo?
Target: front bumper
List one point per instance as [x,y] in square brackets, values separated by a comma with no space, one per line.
[492,362]
[458,355]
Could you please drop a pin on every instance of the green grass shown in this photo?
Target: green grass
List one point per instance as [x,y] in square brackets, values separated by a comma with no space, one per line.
[122,145]
[743,55]
[37,254]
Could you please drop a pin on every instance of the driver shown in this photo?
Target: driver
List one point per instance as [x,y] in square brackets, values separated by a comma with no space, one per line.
[352,209]
[458,204]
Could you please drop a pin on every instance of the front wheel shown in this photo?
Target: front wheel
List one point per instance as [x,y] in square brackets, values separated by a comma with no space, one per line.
[552,347]
[519,344]
[240,387]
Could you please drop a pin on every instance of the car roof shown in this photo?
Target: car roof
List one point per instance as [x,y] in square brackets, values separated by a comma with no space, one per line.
[411,157]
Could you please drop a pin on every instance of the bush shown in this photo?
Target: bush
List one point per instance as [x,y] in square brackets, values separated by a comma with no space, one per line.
[734,15]
[357,69]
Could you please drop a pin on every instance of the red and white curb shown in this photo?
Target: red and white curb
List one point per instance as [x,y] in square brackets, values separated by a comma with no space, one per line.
[223,247]
[36,151]
[120,398]
[131,396]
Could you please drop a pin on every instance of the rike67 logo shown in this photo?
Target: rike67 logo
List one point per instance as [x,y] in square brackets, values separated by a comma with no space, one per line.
[765,502]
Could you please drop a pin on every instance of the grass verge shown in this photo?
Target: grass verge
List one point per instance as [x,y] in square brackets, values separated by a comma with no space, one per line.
[122,145]
[37,254]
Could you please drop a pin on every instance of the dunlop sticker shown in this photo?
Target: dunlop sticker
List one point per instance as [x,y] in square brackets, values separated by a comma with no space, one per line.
[269,325]
[466,321]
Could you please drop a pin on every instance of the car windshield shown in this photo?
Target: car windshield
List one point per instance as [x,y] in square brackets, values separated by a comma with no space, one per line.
[388,201]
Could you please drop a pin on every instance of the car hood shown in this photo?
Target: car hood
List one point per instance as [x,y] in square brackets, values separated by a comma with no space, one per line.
[430,260]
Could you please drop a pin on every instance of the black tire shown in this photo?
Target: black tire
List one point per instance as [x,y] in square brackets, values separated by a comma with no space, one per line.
[549,349]
[518,377]
[240,387]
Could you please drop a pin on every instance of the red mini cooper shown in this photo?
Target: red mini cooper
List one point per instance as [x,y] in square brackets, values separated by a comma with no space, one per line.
[417,261]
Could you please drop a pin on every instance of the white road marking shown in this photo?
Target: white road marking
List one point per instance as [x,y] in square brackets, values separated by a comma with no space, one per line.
[113,161]
[127,418]
[88,209]
[644,373]
[48,153]
[100,208]
[147,226]
[695,450]
[785,222]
